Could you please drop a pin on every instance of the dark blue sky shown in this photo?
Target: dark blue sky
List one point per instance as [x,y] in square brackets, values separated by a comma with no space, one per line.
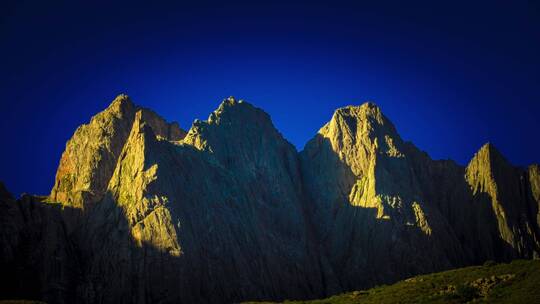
[451,76]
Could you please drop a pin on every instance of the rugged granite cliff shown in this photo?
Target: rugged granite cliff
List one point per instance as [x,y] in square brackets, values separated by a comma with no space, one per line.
[91,154]
[144,212]
[384,210]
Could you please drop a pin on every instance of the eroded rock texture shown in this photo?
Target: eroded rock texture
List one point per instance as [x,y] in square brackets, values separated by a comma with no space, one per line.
[211,224]
[144,212]
[384,210]
[91,154]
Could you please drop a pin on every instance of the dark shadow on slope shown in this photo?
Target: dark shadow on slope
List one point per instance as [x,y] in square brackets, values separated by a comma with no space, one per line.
[471,216]
[365,251]
[516,198]
[227,253]
[101,262]
[38,259]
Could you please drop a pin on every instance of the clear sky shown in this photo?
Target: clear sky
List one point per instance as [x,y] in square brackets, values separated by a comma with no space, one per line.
[451,75]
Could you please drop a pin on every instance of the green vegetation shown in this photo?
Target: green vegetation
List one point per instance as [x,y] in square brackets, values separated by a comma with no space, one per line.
[516,282]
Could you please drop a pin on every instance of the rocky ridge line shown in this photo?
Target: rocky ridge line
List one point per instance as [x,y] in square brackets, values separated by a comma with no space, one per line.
[230,211]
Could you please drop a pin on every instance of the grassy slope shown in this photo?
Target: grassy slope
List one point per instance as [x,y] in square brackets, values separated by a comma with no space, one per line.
[516,282]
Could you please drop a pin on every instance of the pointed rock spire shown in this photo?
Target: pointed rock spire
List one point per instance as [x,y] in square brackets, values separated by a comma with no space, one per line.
[91,154]
[90,157]
[494,181]
[232,212]
[487,167]
[356,134]
[242,137]
[366,119]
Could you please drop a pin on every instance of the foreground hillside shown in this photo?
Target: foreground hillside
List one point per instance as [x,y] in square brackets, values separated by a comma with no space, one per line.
[516,282]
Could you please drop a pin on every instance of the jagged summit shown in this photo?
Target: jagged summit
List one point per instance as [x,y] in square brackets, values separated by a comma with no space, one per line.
[121,99]
[120,105]
[488,152]
[143,212]
[225,103]
[366,120]
[355,135]
[91,154]
[242,137]
[232,110]
[487,165]
[230,101]
[365,109]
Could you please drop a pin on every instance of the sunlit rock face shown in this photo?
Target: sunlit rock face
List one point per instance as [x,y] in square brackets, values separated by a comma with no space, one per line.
[216,217]
[368,202]
[383,209]
[91,154]
[512,194]
[144,212]
[533,174]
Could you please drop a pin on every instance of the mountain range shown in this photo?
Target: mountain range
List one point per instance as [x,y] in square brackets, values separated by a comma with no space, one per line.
[143,211]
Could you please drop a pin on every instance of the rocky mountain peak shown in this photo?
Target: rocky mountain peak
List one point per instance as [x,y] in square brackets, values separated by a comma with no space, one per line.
[367,109]
[233,122]
[510,192]
[238,112]
[356,135]
[487,165]
[489,152]
[229,101]
[121,107]
[368,116]
[232,212]
[243,139]
[364,125]
[121,101]
[90,157]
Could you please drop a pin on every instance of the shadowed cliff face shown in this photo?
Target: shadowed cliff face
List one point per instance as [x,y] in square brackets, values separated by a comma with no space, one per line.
[220,239]
[143,212]
[510,192]
[370,211]
[37,258]
[382,207]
